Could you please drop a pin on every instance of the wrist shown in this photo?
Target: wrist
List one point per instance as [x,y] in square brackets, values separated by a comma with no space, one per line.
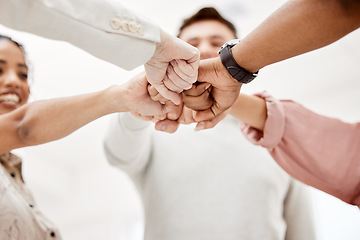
[244,58]
[116,98]
[221,71]
[231,65]
[160,46]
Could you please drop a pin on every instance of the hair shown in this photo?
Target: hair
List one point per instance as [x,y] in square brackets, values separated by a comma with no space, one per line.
[207,13]
[21,47]
[12,40]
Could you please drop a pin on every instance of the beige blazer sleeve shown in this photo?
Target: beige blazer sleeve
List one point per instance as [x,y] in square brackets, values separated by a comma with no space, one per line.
[104,28]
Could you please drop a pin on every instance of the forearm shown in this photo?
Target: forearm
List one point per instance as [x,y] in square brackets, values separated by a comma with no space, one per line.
[49,120]
[127,144]
[297,27]
[317,150]
[250,110]
[106,29]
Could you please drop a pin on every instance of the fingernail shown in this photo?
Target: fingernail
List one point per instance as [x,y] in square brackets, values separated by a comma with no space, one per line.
[162,127]
[207,86]
[199,127]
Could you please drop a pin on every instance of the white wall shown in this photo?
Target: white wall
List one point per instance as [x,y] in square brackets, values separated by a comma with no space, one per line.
[87,199]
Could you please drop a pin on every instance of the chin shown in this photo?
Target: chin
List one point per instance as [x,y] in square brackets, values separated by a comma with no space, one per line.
[6,108]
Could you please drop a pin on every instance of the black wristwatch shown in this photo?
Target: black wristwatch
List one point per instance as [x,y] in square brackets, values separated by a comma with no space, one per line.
[227,59]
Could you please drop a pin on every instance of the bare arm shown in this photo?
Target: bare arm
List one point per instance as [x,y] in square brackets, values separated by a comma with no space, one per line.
[250,110]
[49,120]
[299,26]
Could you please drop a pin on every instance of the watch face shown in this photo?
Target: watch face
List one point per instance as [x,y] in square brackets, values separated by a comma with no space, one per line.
[230,43]
[233,42]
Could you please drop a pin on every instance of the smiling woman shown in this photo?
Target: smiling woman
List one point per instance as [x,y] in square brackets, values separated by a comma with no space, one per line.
[14,88]
[20,218]
[23,124]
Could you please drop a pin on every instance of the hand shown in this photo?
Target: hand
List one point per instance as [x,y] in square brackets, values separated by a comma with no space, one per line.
[173,111]
[187,117]
[168,122]
[171,125]
[137,98]
[198,97]
[224,89]
[173,67]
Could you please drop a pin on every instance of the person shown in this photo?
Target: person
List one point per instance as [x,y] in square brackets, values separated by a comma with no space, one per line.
[281,126]
[110,31]
[317,150]
[23,124]
[299,26]
[211,184]
[326,158]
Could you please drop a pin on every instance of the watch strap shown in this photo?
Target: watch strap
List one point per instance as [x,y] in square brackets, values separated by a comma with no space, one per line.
[237,72]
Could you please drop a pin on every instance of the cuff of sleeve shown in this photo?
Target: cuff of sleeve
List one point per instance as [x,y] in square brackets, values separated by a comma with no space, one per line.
[131,122]
[273,131]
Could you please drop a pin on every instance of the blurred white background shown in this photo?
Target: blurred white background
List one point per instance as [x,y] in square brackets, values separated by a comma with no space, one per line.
[87,199]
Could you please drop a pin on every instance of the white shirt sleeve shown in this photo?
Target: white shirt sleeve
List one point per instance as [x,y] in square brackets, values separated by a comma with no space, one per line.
[127,143]
[298,212]
[104,28]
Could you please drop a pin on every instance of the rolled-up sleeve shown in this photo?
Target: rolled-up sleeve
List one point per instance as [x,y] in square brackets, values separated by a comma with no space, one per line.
[320,151]
[274,125]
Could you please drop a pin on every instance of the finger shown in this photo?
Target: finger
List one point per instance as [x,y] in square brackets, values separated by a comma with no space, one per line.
[146,118]
[168,126]
[166,93]
[210,123]
[209,114]
[170,85]
[197,90]
[155,95]
[135,114]
[187,116]
[199,103]
[160,117]
[175,112]
[204,115]
[177,79]
[187,72]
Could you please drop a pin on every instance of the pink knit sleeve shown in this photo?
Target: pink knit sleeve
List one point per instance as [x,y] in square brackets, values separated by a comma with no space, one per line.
[320,151]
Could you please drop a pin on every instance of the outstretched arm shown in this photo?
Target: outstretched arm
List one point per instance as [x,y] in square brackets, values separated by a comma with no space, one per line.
[49,120]
[112,32]
[298,27]
[320,151]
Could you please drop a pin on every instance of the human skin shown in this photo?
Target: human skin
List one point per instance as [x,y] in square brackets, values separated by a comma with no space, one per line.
[208,36]
[299,26]
[166,72]
[23,124]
